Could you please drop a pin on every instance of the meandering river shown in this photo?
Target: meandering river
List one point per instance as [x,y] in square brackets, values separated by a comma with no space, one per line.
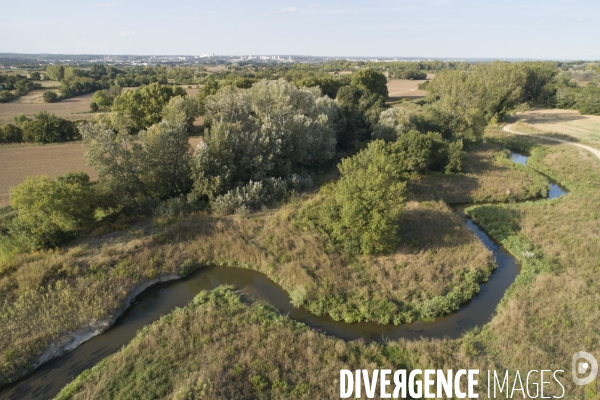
[47,380]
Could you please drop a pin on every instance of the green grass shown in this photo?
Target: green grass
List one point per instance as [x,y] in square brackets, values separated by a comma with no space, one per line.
[488,176]
[220,347]
[436,267]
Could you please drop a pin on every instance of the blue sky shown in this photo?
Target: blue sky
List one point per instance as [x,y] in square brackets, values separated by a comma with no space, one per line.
[545,29]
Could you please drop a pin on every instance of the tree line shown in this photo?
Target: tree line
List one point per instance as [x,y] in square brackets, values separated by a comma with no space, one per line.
[266,139]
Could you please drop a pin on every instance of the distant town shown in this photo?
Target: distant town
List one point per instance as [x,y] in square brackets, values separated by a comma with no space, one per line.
[13,60]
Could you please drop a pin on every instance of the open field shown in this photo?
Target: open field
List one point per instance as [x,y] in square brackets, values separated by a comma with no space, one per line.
[565,124]
[33,97]
[75,108]
[403,88]
[19,162]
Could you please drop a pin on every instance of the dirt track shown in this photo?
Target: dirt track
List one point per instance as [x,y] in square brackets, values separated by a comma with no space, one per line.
[507,128]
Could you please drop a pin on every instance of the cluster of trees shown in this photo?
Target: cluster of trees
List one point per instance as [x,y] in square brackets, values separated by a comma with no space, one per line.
[103,99]
[187,75]
[585,99]
[360,211]
[42,128]
[361,96]
[20,84]
[134,110]
[271,130]
[76,81]
[263,138]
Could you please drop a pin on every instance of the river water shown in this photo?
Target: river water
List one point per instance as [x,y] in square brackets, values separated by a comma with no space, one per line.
[46,381]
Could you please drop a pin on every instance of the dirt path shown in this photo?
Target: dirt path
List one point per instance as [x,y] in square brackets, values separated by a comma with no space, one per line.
[507,128]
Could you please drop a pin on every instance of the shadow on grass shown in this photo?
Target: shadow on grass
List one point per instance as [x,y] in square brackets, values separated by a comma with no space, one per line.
[426,229]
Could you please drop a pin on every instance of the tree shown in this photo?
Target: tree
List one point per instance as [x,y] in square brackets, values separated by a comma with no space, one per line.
[49,96]
[46,128]
[456,109]
[362,212]
[328,84]
[55,72]
[362,109]
[35,76]
[268,130]
[50,211]
[210,88]
[166,162]
[10,134]
[142,108]
[371,80]
[104,98]
[155,164]
[181,111]
[116,157]
[6,96]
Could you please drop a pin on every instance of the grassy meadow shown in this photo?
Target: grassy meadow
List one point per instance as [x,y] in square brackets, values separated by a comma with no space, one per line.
[220,347]
[548,313]
[562,124]
[439,261]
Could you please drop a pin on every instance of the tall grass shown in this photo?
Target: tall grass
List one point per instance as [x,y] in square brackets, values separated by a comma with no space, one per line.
[436,267]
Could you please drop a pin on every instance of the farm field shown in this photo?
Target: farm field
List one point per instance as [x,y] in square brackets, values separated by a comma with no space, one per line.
[19,162]
[403,88]
[75,108]
[569,123]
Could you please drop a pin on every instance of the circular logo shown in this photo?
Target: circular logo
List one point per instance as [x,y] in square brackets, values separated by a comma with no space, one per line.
[581,367]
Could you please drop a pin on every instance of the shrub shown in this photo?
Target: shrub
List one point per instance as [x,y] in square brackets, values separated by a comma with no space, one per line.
[10,134]
[48,212]
[46,128]
[6,96]
[250,196]
[49,96]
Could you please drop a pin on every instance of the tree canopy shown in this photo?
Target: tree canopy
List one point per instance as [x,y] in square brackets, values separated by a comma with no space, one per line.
[142,108]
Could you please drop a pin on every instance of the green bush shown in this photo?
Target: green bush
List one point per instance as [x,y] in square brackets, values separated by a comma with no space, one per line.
[50,211]
[46,128]
[49,96]
[361,212]
[6,96]
[10,134]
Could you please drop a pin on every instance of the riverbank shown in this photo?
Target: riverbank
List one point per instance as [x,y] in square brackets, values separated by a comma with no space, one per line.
[51,294]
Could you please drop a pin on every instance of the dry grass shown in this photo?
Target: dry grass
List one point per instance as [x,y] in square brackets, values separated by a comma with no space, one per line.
[569,123]
[551,311]
[402,88]
[222,348]
[73,109]
[89,281]
[488,176]
[33,97]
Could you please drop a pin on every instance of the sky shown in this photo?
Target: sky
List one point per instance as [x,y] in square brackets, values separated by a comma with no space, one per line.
[532,29]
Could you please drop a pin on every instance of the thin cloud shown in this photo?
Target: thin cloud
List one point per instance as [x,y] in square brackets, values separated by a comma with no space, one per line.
[126,33]
[287,10]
